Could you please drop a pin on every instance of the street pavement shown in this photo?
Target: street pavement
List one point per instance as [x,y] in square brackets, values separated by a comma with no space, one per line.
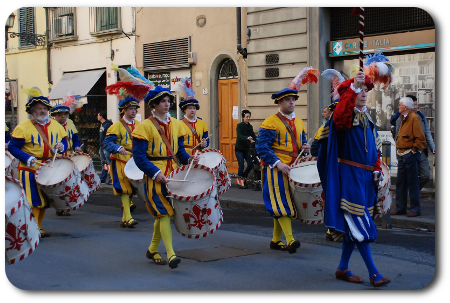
[89,251]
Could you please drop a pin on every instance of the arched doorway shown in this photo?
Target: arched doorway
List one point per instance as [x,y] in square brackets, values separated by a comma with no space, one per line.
[228,101]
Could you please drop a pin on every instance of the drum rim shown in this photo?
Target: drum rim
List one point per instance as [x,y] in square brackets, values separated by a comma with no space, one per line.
[132,179]
[217,151]
[74,171]
[200,195]
[18,204]
[302,160]
[89,166]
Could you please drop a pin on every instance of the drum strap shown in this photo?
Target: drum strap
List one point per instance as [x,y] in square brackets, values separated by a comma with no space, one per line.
[285,152]
[126,126]
[165,140]
[192,130]
[41,132]
[291,132]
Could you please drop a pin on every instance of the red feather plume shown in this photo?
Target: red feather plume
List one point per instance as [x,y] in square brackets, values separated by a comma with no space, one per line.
[136,89]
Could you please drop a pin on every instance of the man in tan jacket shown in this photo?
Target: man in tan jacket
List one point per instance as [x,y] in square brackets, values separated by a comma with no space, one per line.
[410,142]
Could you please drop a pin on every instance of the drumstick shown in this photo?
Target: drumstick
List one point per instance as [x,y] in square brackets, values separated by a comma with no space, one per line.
[201,143]
[54,157]
[301,152]
[43,164]
[190,165]
[175,180]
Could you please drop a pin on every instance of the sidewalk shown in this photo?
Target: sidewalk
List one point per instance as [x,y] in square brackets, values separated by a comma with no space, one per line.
[247,199]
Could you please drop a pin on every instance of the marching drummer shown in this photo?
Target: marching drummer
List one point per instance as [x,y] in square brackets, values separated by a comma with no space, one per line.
[278,146]
[158,149]
[7,136]
[195,127]
[119,143]
[60,113]
[36,139]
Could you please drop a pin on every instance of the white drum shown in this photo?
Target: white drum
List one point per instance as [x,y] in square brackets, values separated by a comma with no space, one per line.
[196,205]
[62,184]
[214,159]
[86,168]
[384,191]
[306,190]
[11,166]
[22,233]
[136,177]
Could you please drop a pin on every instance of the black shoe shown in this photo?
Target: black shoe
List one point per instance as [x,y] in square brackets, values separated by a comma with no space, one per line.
[151,256]
[292,247]
[174,261]
[277,246]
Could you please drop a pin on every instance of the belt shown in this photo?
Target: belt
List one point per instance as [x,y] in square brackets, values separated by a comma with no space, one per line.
[44,158]
[356,164]
[285,152]
[160,158]
[405,152]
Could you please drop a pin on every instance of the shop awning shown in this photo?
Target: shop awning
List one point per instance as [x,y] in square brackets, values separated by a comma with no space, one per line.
[78,83]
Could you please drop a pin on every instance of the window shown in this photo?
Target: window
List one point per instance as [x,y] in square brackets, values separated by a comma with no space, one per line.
[167,54]
[26,25]
[105,20]
[62,22]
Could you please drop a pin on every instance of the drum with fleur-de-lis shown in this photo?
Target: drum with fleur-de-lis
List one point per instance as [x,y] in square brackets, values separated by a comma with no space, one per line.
[62,184]
[22,233]
[86,167]
[384,191]
[196,202]
[214,159]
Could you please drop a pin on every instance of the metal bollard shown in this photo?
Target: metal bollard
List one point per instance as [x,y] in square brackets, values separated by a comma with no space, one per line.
[386,153]
[386,158]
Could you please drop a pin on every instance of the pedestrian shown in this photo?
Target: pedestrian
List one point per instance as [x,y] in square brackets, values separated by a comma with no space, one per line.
[168,134]
[119,143]
[30,142]
[349,169]
[104,154]
[244,136]
[424,166]
[60,113]
[196,129]
[410,142]
[278,148]
[326,113]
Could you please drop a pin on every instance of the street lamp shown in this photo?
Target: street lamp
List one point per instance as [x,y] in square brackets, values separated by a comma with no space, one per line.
[35,39]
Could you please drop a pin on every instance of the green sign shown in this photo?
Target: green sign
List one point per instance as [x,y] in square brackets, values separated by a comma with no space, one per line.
[160,79]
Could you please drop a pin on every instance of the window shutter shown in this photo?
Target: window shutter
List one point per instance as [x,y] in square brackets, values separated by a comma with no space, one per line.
[108,18]
[26,23]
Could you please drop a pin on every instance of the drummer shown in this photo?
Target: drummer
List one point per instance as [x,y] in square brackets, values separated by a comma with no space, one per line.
[60,113]
[194,126]
[157,160]
[119,143]
[28,145]
[7,136]
[278,150]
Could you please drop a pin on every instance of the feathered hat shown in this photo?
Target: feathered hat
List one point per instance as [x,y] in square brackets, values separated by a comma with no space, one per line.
[129,85]
[157,93]
[128,101]
[379,69]
[187,93]
[71,104]
[34,97]
[336,79]
[307,75]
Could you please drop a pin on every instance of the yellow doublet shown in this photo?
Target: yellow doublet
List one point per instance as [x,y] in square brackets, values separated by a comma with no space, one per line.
[319,131]
[71,130]
[34,144]
[156,147]
[189,139]
[123,139]
[283,139]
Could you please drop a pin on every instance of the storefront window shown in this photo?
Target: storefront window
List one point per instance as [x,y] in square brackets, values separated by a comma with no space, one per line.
[414,75]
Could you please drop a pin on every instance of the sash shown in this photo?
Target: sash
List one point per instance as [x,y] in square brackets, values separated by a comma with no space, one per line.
[165,140]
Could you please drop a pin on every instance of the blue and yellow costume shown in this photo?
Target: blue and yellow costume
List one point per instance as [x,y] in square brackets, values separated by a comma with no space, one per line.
[117,138]
[7,134]
[276,144]
[152,156]
[70,128]
[350,135]
[26,143]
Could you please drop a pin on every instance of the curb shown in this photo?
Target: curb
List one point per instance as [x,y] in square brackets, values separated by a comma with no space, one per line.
[248,205]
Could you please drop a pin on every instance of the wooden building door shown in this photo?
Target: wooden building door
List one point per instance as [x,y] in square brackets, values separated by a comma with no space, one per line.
[228,98]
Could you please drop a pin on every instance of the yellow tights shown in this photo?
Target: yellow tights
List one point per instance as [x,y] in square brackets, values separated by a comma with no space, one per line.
[126,200]
[39,213]
[282,224]
[162,229]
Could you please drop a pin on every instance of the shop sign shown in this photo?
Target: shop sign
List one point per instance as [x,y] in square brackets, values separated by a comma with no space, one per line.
[384,43]
[160,79]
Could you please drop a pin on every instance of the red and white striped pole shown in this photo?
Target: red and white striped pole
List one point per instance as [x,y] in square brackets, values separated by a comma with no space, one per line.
[359,11]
